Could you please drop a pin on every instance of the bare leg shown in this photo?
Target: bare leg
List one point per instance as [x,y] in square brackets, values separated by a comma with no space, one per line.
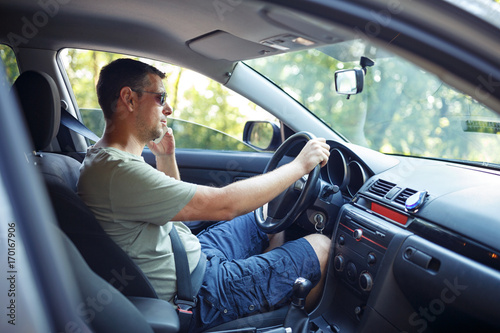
[321,245]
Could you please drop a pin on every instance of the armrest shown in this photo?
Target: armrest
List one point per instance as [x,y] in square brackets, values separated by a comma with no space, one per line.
[160,314]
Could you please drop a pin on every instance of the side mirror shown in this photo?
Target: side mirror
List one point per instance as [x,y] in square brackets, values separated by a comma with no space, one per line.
[262,135]
[349,81]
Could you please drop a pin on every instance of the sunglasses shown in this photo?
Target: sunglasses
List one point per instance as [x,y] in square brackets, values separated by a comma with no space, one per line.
[163,95]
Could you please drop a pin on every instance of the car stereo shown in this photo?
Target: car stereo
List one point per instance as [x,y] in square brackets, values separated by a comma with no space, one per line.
[360,245]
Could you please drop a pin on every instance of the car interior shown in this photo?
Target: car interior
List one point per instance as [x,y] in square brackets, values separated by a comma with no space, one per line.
[414,239]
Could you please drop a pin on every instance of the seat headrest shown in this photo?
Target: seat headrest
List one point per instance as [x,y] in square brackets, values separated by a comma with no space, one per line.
[39,99]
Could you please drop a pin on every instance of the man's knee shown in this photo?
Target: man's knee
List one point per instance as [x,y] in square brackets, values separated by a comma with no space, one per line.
[321,245]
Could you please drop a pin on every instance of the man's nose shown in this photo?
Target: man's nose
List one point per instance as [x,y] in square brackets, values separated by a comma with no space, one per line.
[167,109]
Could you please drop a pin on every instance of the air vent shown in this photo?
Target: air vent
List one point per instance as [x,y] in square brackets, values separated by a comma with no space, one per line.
[401,198]
[381,187]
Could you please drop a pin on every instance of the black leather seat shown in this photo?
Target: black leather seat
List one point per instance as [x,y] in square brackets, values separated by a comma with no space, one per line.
[41,104]
[118,314]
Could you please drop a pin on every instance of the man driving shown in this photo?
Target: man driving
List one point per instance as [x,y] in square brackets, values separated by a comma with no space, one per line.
[247,271]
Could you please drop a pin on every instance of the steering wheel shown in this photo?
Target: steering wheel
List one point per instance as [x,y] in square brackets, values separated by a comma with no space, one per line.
[299,195]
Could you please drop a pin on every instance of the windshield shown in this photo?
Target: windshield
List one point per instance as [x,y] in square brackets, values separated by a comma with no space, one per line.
[402,109]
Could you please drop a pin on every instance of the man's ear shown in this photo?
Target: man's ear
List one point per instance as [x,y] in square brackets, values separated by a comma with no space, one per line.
[127,98]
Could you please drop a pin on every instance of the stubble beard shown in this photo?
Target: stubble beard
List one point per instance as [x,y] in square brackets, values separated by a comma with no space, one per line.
[156,133]
[149,134]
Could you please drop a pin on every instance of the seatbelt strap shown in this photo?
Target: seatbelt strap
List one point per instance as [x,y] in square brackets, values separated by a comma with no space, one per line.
[185,300]
[69,121]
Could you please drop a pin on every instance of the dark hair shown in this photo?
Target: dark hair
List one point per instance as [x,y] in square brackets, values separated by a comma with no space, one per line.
[118,74]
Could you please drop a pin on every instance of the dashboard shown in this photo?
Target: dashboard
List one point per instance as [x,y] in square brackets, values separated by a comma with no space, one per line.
[345,171]
[414,245]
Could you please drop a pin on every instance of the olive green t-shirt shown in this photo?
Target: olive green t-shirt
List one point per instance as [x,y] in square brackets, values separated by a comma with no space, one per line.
[134,204]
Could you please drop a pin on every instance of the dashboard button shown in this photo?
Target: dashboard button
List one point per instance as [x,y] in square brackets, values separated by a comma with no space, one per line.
[358,311]
[339,263]
[341,240]
[371,259]
[351,272]
[358,233]
[366,281]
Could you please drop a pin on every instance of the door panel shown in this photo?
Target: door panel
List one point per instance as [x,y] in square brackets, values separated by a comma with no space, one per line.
[215,168]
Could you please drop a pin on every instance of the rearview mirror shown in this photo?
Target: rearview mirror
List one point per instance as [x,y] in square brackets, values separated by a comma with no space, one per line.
[349,81]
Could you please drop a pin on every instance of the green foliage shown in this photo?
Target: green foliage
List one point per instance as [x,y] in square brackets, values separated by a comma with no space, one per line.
[82,68]
[211,108]
[195,136]
[402,109]
[94,120]
[261,135]
[9,63]
[193,98]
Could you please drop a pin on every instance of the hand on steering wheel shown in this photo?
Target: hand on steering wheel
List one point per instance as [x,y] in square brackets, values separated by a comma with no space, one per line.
[289,201]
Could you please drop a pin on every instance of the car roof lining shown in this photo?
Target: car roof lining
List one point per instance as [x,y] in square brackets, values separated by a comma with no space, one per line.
[164,37]
[217,35]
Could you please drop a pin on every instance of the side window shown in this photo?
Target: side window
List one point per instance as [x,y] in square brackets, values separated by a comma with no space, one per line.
[9,62]
[206,114]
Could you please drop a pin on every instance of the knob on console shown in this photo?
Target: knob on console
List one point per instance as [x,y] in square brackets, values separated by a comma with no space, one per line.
[371,259]
[339,263]
[366,281]
[357,234]
[351,272]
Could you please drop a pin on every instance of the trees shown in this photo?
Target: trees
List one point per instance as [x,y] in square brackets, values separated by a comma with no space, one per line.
[9,63]
[193,97]
[402,109]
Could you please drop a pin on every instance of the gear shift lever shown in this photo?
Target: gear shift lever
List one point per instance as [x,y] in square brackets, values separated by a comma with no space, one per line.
[301,289]
[297,318]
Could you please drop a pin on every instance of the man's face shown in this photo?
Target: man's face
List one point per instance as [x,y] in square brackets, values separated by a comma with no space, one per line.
[151,117]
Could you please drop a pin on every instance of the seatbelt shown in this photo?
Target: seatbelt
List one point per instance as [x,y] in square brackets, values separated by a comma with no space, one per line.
[69,121]
[187,284]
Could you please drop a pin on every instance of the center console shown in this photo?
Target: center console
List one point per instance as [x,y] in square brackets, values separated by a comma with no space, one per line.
[360,243]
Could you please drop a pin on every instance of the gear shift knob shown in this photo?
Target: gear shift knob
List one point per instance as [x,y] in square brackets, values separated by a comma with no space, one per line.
[297,318]
[301,289]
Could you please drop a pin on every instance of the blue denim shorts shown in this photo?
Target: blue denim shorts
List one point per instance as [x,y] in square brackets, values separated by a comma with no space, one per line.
[240,280]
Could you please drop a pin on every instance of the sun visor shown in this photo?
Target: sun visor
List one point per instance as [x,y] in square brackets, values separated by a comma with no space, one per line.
[310,27]
[223,45]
